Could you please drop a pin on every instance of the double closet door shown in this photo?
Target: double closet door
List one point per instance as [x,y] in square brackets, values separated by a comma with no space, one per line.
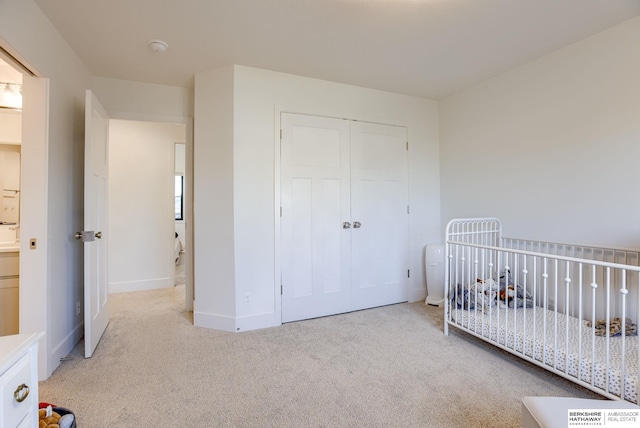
[344,215]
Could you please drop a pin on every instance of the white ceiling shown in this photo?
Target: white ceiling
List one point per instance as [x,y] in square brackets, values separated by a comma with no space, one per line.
[426,48]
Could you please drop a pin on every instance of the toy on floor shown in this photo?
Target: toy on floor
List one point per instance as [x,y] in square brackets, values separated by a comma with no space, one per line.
[50,418]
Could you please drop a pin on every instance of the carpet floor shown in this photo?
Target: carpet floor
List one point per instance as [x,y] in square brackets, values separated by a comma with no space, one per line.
[384,367]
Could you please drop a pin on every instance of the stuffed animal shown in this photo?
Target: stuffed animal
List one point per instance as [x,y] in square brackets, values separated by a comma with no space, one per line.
[615,327]
[507,294]
[49,418]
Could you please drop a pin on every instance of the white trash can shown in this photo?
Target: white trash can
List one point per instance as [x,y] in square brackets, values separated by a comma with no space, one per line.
[434,267]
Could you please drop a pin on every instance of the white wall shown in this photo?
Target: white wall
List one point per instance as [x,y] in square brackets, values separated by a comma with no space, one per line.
[141,221]
[52,190]
[213,212]
[124,99]
[552,147]
[258,96]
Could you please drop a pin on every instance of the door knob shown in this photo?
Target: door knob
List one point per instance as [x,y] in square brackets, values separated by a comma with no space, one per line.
[357,225]
[346,225]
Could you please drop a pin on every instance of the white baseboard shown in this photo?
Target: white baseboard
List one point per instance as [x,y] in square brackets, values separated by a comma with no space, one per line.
[231,324]
[141,285]
[417,294]
[63,349]
[214,321]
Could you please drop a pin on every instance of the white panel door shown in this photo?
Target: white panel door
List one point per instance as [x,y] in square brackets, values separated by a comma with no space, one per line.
[315,205]
[96,293]
[379,213]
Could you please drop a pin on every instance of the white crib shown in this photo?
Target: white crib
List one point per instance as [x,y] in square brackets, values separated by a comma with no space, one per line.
[570,309]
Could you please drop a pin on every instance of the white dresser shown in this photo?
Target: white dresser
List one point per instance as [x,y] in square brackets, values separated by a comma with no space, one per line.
[19,380]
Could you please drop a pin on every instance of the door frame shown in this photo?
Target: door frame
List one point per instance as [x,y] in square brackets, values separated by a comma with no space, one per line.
[34,215]
[277,136]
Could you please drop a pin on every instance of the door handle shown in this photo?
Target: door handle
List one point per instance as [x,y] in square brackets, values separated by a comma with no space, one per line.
[357,225]
[99,235]
[86,235]
[346,225]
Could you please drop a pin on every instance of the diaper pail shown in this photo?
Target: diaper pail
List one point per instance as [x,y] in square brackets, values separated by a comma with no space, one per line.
[434,266]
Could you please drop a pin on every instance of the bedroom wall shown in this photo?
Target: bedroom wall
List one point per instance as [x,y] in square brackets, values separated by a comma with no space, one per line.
[53,280]
[141,222]
[125,99]
[250,158]
[551,147]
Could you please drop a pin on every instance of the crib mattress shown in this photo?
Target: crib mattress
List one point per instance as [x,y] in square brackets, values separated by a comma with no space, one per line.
[559,342]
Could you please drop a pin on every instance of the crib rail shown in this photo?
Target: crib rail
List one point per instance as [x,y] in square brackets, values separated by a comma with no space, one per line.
[570,309]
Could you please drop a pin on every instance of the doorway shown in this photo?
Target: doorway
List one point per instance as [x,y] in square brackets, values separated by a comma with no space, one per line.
[142,223]
[10,192]
[34,216]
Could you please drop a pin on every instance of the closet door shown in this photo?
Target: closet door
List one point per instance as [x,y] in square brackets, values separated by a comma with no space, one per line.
[379,212]
[315,241]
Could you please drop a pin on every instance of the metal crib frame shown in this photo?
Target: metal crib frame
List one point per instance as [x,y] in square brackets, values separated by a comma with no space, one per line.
[588,283]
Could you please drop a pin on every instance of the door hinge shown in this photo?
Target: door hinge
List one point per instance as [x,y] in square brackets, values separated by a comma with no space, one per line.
[280,211]
[407,145]
[407,209]
[281,134]
[408,273]
[281,289]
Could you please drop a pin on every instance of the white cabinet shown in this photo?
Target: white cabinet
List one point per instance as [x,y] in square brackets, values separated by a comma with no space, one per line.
[19,380]
[9,292]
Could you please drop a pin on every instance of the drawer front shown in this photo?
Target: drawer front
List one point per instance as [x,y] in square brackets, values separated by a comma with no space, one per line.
[9,282]
[9,311]
[12,411]
[27,422]
[9,264]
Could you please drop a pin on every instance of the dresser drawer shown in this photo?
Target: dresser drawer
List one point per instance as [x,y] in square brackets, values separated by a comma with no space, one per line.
[12,282]
[17,380]
[9,264]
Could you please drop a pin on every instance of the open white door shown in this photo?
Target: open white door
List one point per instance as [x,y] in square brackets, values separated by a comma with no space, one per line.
[96,293]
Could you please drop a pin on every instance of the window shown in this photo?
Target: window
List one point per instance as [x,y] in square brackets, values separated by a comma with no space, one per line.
[179,192]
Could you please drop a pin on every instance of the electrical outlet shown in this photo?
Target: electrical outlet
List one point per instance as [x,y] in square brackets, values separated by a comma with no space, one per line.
[247,298]
[78,307]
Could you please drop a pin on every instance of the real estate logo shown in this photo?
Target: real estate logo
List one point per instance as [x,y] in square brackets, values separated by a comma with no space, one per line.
[614,418]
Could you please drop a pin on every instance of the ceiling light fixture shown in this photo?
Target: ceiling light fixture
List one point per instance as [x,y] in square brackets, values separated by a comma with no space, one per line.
[159,46]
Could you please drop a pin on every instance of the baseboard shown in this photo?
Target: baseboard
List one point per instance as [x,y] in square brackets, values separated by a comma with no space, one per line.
[145,284]
[232,324]
[214,321]
[417,294]
[256,322]
[63,349]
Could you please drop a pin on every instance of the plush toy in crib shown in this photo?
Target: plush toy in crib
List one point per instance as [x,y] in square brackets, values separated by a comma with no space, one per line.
[507,294]
[615,327]
[513,296]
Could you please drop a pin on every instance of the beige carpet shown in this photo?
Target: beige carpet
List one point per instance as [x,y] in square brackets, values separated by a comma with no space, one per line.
[384,367]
